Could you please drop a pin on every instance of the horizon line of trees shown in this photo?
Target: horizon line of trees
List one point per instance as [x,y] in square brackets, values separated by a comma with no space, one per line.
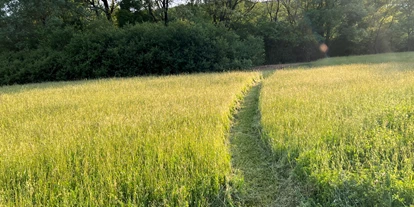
[48,40]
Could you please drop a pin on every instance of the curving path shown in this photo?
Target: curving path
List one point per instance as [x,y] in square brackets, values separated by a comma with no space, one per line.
[253,161]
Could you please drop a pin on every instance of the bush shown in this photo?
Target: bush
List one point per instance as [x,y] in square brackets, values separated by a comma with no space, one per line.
[102,50]
[29,66]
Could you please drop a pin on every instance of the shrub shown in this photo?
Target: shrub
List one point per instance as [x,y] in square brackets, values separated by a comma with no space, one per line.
[102,50]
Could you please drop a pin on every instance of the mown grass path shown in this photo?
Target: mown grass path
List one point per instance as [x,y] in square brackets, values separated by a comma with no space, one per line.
[252,157]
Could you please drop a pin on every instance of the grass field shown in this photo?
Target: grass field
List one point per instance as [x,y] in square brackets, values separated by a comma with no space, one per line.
[345,127]
[404,57]
[336,132]
[141,141]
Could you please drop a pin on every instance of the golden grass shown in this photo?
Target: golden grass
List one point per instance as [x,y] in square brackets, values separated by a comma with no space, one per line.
[139,141]
[346,130]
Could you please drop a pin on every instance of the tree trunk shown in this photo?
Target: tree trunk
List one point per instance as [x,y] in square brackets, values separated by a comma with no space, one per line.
[277,11]
[165,7]
[377,35]
[107,10]
[94,7]
[150,11]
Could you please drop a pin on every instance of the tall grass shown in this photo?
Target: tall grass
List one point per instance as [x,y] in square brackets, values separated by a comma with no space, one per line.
[141,141]
[347,130]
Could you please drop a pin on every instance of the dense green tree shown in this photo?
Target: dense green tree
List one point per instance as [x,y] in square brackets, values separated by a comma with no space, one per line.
[348,32]
[406,19]
[107,7]
[26,23]
[132,12]
[228,11]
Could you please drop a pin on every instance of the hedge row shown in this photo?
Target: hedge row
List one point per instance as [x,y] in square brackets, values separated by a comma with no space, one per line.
[106,51]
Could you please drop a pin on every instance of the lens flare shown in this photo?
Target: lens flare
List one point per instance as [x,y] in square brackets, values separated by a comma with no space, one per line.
[323,48]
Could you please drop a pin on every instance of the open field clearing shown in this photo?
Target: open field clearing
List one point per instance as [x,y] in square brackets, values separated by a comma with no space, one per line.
[346,132]
[403,57]
[140,141]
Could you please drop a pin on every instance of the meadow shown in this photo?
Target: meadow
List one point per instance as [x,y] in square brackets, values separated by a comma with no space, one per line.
[150,141]
[336,132]
[344,129]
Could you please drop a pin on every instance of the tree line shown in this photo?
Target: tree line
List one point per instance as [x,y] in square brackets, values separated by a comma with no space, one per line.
[49,40]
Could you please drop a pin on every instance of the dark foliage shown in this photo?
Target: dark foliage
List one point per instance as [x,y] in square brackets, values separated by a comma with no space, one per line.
[103,50]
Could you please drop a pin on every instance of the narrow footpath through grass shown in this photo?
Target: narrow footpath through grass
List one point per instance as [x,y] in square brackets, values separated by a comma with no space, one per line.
[266,182]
